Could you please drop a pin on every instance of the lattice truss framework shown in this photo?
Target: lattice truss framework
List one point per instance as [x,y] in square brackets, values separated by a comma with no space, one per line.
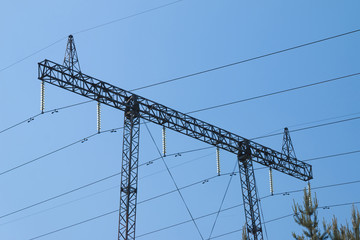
[70,77]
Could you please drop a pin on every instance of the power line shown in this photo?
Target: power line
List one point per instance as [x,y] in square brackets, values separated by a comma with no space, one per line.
[310,127]
[262,216]
[59,205]
[19,123]
[101,180]
[55,151]
[321,157]
[229,208]
[248,60]
[45,155]
[175,154]
[315,121]
[184,222]
[169,192]
[89,29]
[286,216]
[146,163]
[92,183]
[32,54]
[59,195]
[274,93]
[320,187]
[127,17]
[32,118]
[222,202]
[173,179]
[332,155]
[75,224]
[265,136]
[204,109]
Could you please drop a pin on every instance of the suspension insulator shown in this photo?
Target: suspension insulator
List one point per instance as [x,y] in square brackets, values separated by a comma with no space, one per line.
[98,117]
[42,97]
[218,161]
[271,182]
[164,141]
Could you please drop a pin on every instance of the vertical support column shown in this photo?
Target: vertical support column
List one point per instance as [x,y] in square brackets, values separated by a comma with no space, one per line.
[129,171]
[248,187]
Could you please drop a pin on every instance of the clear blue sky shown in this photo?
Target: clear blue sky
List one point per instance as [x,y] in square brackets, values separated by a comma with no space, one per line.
[185,37]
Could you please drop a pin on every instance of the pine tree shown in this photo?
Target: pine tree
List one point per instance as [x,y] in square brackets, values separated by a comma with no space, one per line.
[356,223]
[306,216]
[344,232]
[244,233]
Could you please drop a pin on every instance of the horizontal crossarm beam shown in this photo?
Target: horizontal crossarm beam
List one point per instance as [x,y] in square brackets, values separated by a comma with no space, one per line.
[116,97]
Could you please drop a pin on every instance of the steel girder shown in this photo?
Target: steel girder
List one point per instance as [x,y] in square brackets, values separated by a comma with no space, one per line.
[116,97]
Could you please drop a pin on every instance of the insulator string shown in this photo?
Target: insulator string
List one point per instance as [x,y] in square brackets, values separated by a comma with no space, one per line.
[271,182]
[164,141]
[218,161]
[98,117]
[309,192]
[42,97]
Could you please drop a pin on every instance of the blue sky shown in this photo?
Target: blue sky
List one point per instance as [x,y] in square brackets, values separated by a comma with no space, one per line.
[141,48]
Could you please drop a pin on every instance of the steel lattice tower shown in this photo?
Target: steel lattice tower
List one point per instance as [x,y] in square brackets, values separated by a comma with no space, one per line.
[69,77]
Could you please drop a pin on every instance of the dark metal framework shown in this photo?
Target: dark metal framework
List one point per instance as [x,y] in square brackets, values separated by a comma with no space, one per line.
[136,107]
[248,187]
[129,170]
[71,59]
[287,146]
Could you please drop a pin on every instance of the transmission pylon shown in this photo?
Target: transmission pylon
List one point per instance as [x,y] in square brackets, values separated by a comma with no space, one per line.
[69,77]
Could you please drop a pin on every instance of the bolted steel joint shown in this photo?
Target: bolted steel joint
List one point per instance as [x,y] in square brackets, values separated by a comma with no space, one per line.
[244,151]
[132,107]
[128,189]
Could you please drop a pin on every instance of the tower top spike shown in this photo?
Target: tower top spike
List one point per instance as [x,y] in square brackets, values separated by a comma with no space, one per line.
[71,60]
[287,146]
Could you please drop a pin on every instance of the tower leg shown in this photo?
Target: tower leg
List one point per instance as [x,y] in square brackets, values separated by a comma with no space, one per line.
[129,171]
[250,199]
